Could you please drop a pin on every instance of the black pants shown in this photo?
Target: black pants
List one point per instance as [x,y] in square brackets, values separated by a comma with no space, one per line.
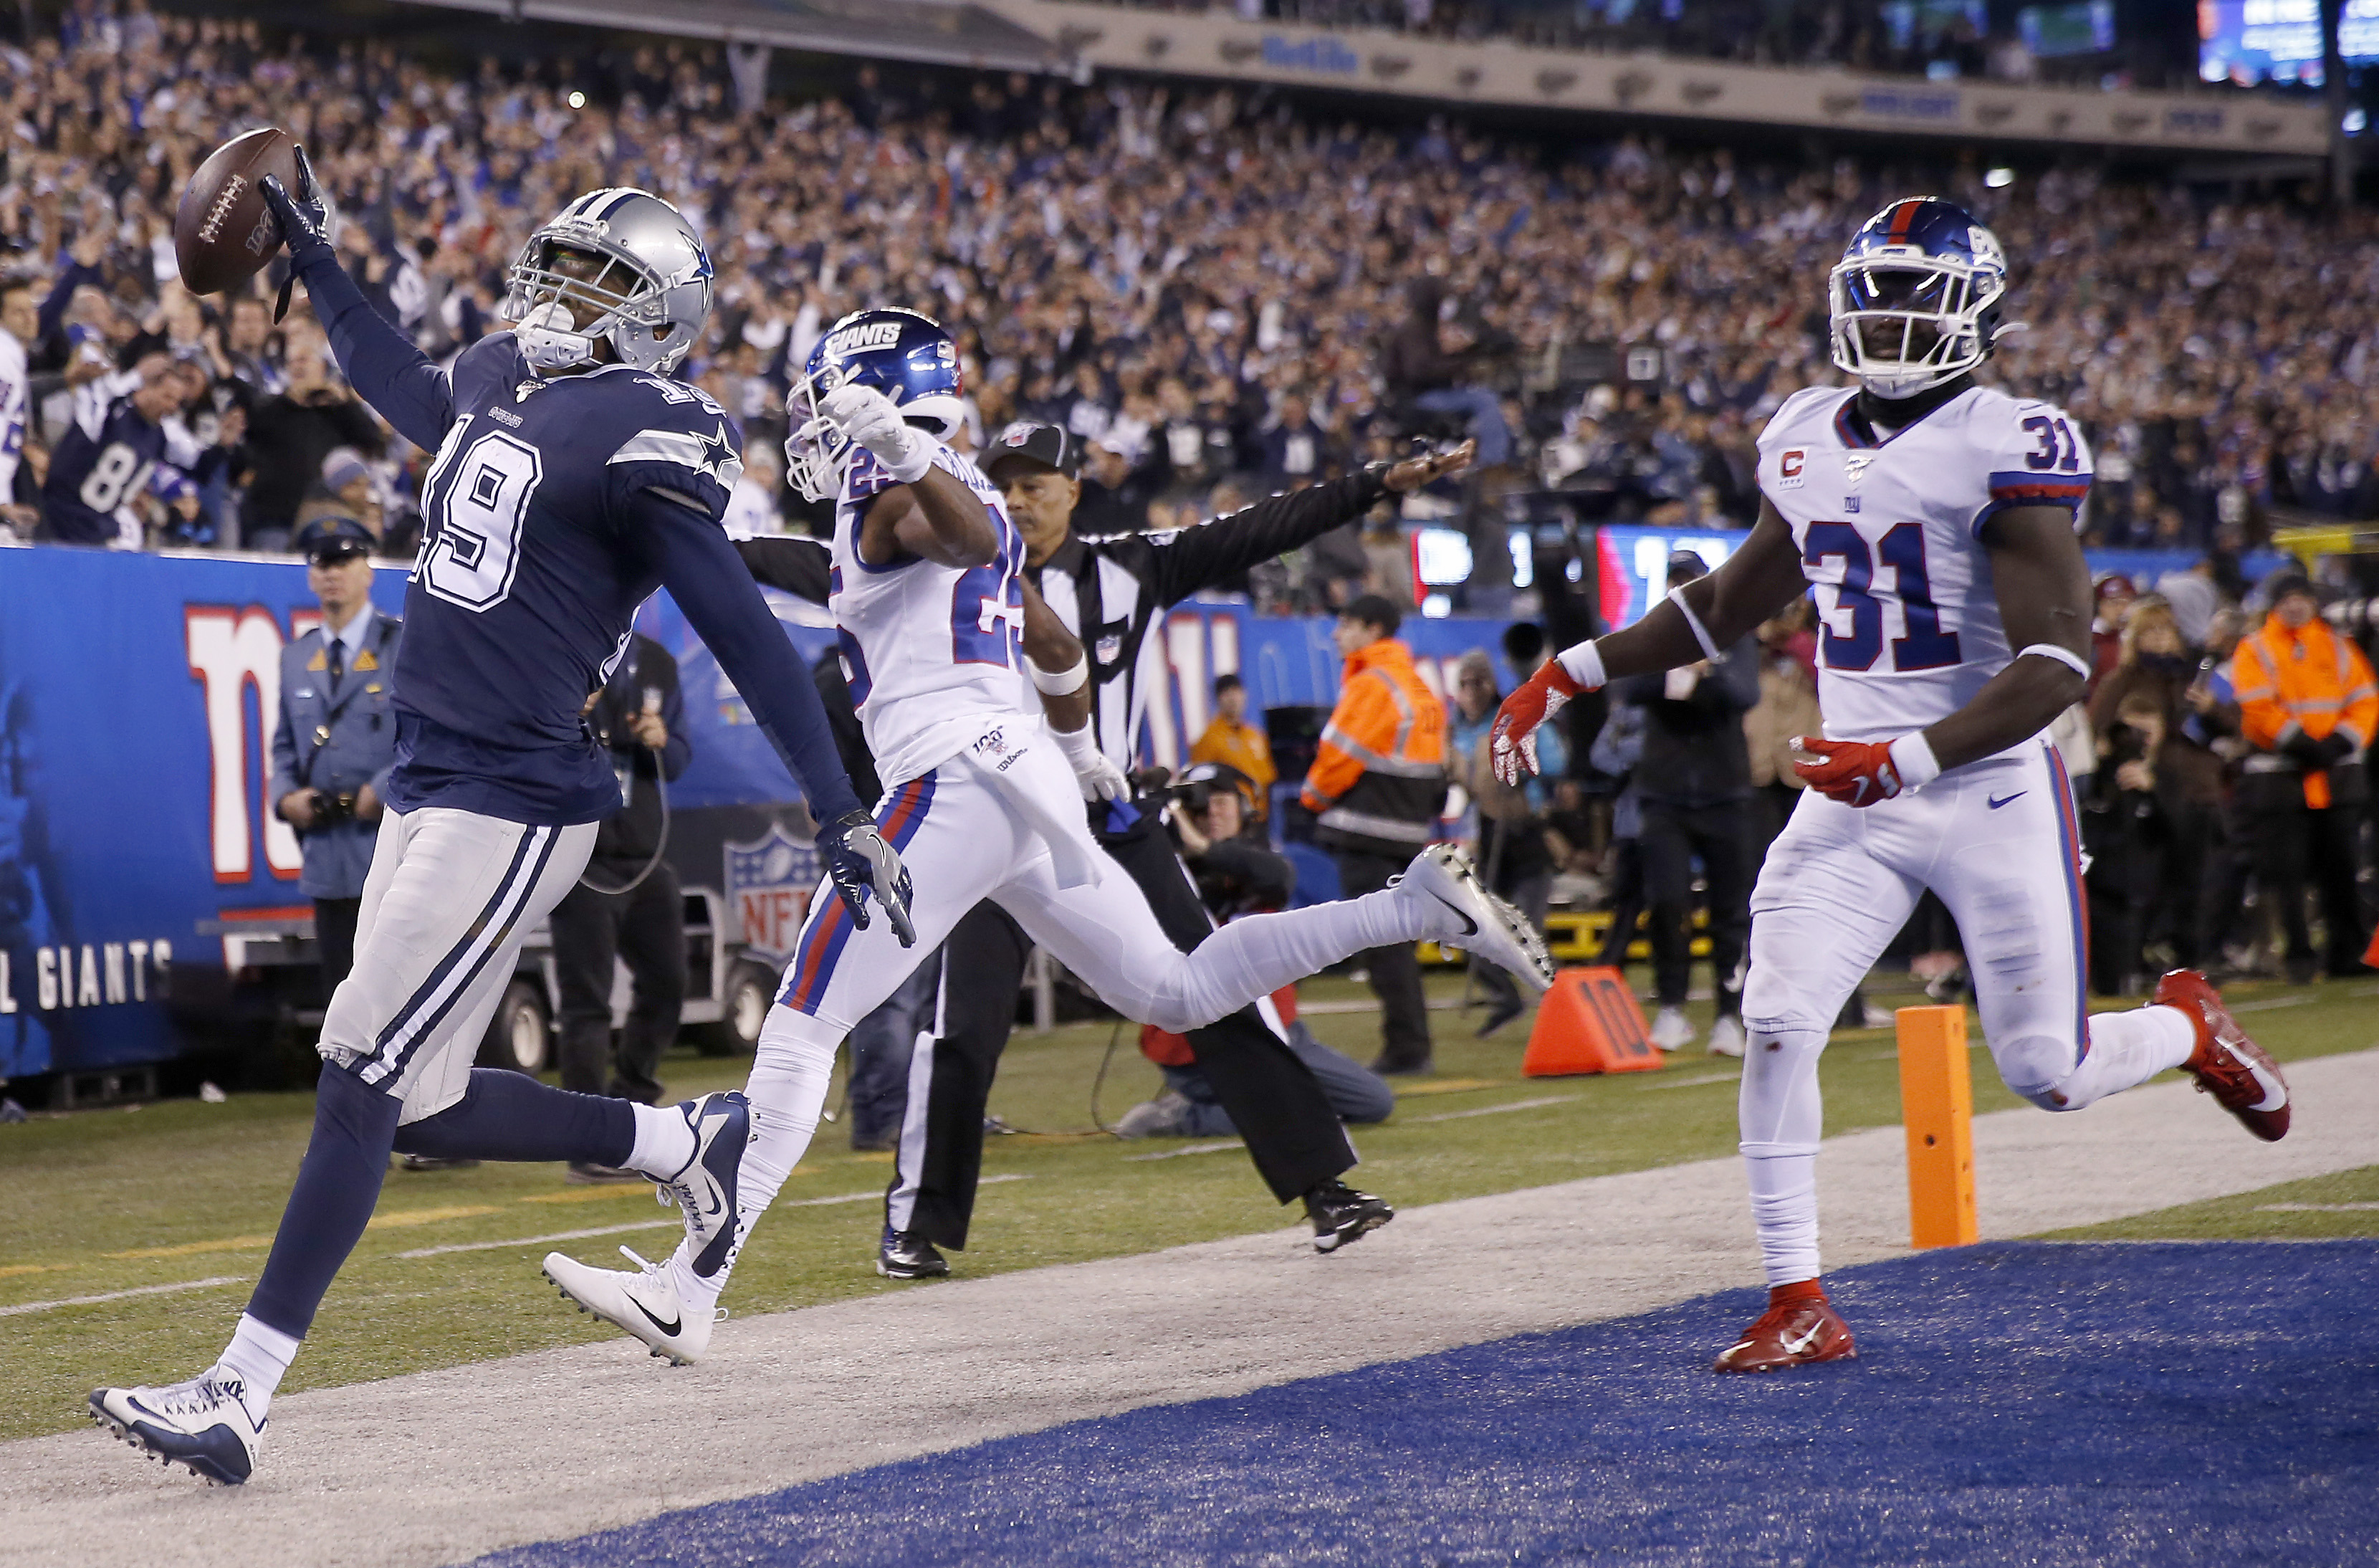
[1721,835]
[644,927]
[2292,847]
[1395,969]
[1292,1133]
[334,939]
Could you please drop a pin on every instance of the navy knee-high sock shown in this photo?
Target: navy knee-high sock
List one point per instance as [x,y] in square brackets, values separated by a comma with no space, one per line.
[337,1185]
[503,1116]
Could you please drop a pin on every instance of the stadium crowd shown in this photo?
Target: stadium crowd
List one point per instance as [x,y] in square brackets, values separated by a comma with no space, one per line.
[1140,263]
[1132,260]
[1895,37]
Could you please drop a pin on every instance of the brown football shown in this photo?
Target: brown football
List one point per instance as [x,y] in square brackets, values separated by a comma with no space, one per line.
[223,234]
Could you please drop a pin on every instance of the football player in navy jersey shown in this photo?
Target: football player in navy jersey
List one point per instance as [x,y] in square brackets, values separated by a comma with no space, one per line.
[117,451]
[572,476]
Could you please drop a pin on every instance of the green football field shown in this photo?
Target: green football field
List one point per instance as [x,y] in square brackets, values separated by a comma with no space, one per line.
[185,1194]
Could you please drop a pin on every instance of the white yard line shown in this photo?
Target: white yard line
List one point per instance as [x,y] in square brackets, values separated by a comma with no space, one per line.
[23,1308]
[2315,1208]
[1185,1148]
[1486,1110]
[434,1467]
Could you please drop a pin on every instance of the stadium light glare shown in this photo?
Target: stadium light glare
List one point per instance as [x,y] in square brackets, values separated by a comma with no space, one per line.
[2000,179]
[578,101]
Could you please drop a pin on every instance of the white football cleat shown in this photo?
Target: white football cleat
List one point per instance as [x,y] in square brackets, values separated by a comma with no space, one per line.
[704,1188]
[1672,1030]
[644,1303]
[1492,929]
[1725,1038]
[202,1424]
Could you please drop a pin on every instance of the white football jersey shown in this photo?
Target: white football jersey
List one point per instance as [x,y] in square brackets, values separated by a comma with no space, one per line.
[932,653]
[1890,532]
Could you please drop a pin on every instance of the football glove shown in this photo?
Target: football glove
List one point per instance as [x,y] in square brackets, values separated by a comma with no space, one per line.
[1100,778]
[1512,745]
[866,417]
[1857,772]
[308,219]
[861,863]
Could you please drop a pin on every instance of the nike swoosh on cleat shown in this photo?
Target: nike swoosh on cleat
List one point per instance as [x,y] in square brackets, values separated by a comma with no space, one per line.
[1998,800]
[1795,1347]
[672,1328]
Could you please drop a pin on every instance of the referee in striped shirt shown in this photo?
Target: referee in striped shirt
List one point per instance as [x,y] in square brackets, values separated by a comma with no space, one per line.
[1111,592]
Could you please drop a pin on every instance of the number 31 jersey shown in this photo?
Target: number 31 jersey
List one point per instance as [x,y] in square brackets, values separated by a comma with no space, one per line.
[1890,532]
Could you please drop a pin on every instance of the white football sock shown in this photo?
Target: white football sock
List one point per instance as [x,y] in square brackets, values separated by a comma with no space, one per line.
[258,1356]
[664,1141]
[790,1070]
[1781,1116]
[2128,1049]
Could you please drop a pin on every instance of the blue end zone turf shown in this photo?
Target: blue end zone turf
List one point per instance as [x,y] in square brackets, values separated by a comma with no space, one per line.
[2020,1402]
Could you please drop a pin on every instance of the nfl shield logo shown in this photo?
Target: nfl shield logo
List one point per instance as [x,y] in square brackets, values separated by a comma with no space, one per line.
[768,884]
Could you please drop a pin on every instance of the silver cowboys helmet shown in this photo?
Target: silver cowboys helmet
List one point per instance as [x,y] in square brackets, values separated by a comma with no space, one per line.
[652,296]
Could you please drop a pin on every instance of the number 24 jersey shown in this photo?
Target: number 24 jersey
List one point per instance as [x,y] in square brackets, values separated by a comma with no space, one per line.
[1890,532]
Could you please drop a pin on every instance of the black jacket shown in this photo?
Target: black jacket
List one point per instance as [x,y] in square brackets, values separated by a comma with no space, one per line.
[630,838]
[1695,753]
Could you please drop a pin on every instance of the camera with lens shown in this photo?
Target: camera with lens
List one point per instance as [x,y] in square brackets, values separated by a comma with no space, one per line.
[332,809]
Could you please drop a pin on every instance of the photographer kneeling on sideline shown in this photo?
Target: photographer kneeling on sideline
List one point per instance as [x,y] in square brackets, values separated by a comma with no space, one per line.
[1238,873]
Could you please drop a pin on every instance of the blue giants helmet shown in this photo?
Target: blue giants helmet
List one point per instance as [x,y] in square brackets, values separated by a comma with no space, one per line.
[1915,299]
[905,356]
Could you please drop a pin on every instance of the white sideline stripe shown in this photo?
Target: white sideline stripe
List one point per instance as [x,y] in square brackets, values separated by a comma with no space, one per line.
[24,1306]
[1490,1110]
[2315,1208]
[2268,1003]
[1695,1082]
[1186,1149]
[653,1225]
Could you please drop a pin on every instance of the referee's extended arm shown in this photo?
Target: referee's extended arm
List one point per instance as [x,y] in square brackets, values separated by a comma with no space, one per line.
[1216,552]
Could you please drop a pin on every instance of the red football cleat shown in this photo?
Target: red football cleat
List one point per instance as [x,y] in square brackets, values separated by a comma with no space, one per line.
[1800,1327]
[2234,1069]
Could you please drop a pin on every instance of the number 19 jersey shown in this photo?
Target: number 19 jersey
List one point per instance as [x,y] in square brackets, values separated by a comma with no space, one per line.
[1889,528]
[934,654]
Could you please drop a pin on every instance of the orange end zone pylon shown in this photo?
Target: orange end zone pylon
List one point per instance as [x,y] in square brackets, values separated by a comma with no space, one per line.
[1936,1102]
[1588,1023]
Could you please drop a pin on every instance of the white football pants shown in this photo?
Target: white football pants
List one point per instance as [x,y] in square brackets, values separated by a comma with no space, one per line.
[1997,840]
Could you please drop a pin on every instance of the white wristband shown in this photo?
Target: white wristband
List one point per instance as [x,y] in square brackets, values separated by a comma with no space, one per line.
[1060,682]
[2065,656]
[916,465]
[1913,759]
[1701,633]
[1079,745]
[1583,664]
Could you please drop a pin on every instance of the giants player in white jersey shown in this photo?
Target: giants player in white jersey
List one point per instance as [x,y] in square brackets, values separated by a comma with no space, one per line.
[1934,521]
[940,635]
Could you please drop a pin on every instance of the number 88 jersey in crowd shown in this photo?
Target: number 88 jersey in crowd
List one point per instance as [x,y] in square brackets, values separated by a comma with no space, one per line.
[1889,529]
[932,653]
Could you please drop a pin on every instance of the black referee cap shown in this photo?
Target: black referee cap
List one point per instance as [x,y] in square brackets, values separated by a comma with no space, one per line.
[1030,440]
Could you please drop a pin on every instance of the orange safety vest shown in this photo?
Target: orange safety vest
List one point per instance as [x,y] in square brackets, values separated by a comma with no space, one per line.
[1378,781]
[2305,678]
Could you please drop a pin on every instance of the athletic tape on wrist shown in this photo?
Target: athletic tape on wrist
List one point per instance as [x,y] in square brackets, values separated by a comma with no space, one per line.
[1060,682]
[1913,759]
[1701,633]
[1583,664]
[2065,656]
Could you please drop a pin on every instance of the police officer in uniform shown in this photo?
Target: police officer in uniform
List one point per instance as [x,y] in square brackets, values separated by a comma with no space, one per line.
[334,740]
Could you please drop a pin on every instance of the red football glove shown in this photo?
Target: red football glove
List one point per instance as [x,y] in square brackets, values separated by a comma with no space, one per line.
[1512,745]
[1857,772]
